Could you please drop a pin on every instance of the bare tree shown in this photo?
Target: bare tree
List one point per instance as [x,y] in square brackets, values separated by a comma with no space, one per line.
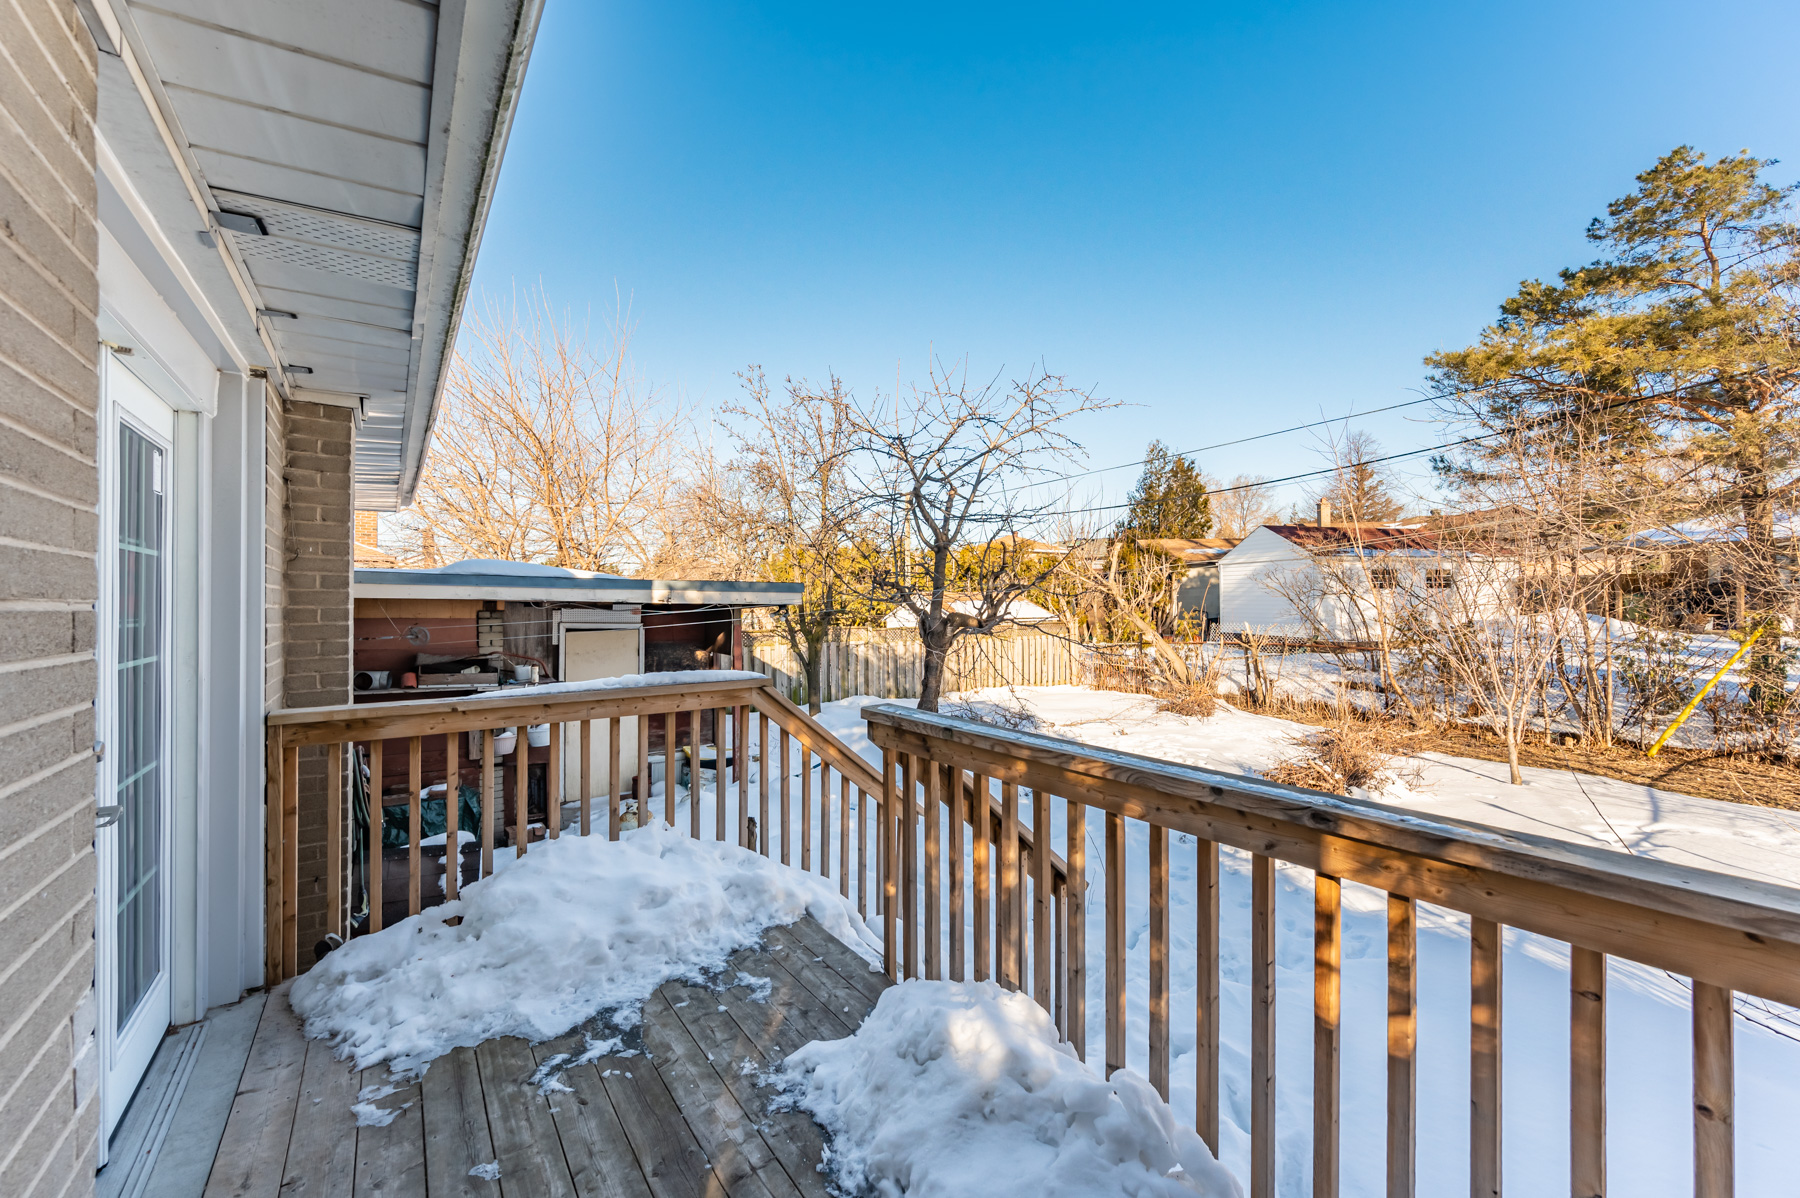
[1243,505]
[546,450]
[944,471]
[793,453]
[1359,488]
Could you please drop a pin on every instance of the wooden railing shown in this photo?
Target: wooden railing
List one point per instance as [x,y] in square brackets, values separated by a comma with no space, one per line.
[743,720]
[1725,933]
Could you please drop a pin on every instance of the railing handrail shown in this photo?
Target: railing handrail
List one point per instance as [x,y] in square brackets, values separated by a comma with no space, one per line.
[1739,933]
[424,717]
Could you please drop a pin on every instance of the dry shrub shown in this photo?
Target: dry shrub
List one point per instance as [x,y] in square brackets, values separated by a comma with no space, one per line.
[1195,699]
[1199,696]
[1353,750]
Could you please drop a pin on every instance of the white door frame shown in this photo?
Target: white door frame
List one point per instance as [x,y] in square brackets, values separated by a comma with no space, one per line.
[125,1052]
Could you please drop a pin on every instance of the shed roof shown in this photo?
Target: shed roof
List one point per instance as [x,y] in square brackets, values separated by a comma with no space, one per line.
[530,582]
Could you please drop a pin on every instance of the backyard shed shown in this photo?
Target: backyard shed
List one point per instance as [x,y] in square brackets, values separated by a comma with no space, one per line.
[482,626]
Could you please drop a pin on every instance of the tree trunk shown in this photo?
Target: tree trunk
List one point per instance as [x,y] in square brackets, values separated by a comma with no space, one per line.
[814,664]
[931,678]
[1512,755]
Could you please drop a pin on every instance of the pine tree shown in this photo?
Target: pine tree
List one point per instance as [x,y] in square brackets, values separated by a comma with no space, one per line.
[1169,500]
[1358,489]
[1683,344]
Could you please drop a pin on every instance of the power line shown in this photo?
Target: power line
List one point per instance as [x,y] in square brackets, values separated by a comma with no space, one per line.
[1272,482]
[1280,432]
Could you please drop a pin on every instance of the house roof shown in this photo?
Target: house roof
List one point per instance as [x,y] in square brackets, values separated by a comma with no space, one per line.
[1371,538]
[1192,551]
[320,176]
[531,582]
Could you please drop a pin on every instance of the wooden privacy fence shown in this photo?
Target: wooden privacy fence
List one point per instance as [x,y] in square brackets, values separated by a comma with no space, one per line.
[1727,934]
[887,662]
[743,720]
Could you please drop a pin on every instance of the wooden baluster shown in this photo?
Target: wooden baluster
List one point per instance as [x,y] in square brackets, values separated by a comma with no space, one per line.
[671,766]
[721,770]
[696,787]
[372,869]
[587,776]
[521,779]
[452,814]
[981,905]
[909,860]
[934,882]
[1328,962]
[415,781]
[860,802]
[786,778]
[958,963]
[1714,1099]
[489,798]
[887,850]
[1011,932]
[1587,1072]
[1402,1040]
[824,819]
[1075,857]
[1262,1026]
[1043,955]
[843,834]
[1159,959]
[644,780]
[1059,970]
[1485,955]
[1206,992]
[1115,942]
[553,781]
[615,776]
[290,861]
[806,768]
[764,759]
[740,759]
[334,839]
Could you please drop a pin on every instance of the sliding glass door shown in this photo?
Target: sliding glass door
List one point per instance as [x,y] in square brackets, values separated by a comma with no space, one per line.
[132,833]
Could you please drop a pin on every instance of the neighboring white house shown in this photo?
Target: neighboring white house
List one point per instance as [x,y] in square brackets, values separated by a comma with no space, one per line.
[1336,574]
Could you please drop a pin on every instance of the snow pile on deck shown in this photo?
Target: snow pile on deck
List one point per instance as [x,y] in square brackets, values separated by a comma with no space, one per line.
[961,1088]
[576,927]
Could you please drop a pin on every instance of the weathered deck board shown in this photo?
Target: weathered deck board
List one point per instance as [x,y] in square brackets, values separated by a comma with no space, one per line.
[684,1117]
[253,1151]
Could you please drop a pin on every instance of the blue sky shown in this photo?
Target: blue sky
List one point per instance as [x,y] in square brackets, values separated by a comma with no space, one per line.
[1234,218]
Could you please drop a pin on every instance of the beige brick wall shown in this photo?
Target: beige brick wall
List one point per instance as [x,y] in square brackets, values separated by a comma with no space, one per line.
[316,612]
[49,491]
[275,546]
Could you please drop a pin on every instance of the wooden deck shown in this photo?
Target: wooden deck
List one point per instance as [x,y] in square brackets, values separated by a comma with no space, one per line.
[681,1119]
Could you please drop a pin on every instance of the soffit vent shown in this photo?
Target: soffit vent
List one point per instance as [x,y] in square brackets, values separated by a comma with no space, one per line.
[345,245]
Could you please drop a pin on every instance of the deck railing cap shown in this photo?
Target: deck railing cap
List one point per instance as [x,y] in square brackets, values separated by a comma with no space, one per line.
[1751,903]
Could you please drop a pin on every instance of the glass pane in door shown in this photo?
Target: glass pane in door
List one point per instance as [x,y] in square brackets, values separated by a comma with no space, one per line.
[138,768]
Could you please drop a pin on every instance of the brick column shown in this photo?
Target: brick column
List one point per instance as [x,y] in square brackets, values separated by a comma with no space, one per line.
[316,607]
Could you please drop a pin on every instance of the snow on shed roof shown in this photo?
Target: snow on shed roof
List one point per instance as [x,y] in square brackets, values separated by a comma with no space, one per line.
[480,578]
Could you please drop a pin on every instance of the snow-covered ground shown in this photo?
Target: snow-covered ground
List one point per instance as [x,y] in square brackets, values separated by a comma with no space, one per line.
[578,927]
[1648,1017]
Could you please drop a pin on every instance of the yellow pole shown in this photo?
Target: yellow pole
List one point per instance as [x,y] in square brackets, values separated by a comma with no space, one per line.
[1695,701]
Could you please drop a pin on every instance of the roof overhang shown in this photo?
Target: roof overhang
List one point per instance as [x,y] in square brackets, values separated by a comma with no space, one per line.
[316,177]
[431,584]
